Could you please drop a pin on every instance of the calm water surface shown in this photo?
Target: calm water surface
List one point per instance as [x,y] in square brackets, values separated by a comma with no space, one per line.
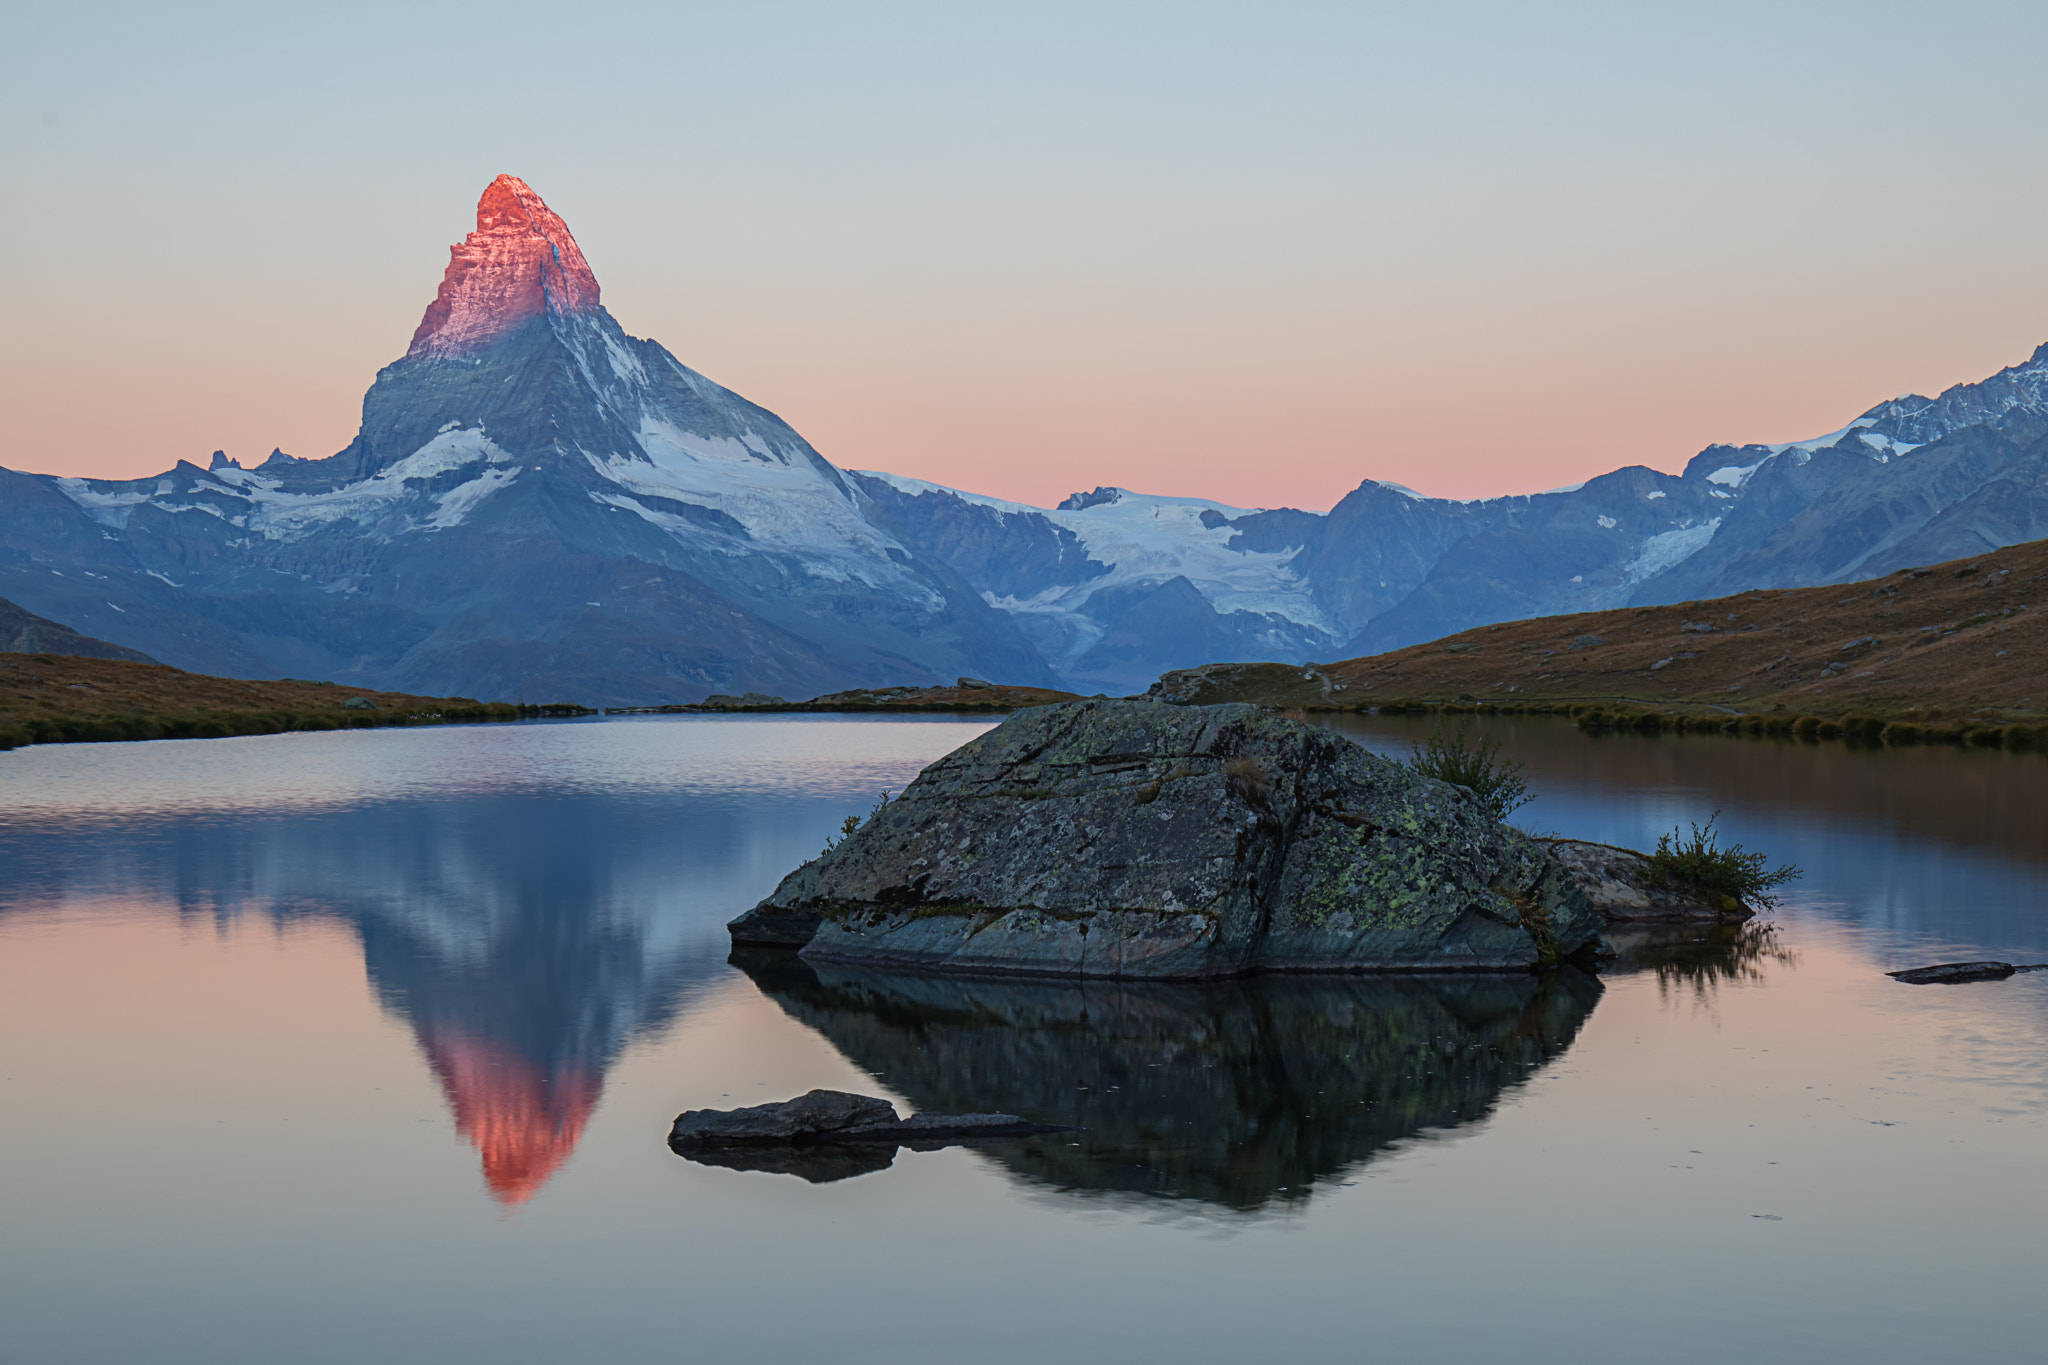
[353,1047]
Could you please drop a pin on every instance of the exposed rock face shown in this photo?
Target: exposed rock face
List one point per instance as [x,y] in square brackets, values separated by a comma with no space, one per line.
[1617,881]
[1137,839]
[520,262]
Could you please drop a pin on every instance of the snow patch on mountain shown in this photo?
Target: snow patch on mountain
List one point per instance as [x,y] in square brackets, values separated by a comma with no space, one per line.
[1667,549]
[1150,538]
[785,505]
[278,515]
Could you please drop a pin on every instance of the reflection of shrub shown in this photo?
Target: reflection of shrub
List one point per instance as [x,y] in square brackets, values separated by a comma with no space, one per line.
[1476,766]
[1699,864]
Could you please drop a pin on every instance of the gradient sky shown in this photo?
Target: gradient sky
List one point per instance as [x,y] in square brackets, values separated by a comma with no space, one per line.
[1253,252]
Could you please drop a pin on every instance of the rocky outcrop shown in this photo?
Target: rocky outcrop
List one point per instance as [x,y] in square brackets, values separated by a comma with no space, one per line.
[1619,884]
[1139,839]
[829,1135]
[811,1117]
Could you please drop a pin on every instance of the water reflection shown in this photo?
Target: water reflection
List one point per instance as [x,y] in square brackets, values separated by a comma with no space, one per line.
[1697,960]
[525,941]
[1236,1094]
[1931,853]
[526,937]
[528,923]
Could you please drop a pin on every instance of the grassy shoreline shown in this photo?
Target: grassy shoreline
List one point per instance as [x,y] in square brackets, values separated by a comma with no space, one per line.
[1627,715]
[71,699]
[1952,653]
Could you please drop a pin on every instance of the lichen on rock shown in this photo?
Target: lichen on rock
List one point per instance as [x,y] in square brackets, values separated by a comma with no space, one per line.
[1138,839]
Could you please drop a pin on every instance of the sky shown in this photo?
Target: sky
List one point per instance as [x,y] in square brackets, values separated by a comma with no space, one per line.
[1253,252]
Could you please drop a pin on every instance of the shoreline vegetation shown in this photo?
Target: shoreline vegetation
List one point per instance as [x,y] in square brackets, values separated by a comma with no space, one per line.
[968,694]
[74,699]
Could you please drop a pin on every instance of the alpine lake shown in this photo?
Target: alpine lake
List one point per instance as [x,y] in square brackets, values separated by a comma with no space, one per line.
[364,1046]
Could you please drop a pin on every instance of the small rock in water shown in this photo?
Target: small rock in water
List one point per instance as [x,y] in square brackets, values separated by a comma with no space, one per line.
[820,1115]
[836,1117]
[1954,973]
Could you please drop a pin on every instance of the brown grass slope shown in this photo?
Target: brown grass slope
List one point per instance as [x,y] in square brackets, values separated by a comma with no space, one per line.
[58,698]
[963,696]
[1951,645]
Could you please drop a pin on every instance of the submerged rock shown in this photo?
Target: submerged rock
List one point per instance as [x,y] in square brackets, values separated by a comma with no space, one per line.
[1617,882]
[828,1135]
[820,1114]
[1138,839]
[1955,973]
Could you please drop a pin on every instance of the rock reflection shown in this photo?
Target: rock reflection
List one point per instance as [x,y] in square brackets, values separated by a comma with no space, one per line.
[1239,1094]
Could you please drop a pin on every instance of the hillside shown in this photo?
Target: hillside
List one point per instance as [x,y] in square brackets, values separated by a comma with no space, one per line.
[24,632]
[968,694]
[58,698]
[1945,644]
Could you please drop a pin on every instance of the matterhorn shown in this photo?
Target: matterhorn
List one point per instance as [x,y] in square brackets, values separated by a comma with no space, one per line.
[536,505]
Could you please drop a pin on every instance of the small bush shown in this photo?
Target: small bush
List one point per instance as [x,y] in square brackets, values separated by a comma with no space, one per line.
[1247,777]
[1700,864]
[846,829]
[1476,766]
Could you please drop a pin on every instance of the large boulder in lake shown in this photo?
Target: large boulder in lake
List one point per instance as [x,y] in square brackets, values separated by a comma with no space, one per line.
[1138,839]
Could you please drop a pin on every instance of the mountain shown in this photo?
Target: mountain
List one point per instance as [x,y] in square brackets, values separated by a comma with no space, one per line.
[535,505]
[539,506]
[1111,584]
[24,632]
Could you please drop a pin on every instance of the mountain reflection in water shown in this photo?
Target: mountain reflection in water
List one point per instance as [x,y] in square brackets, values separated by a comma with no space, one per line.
[1232,1093]
[525,940]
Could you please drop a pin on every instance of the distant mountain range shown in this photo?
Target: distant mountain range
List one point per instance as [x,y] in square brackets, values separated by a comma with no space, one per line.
[539,506]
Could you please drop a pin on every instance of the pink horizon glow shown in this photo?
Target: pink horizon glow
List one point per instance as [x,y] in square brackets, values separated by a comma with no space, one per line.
[1034,426]
[1259,258]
